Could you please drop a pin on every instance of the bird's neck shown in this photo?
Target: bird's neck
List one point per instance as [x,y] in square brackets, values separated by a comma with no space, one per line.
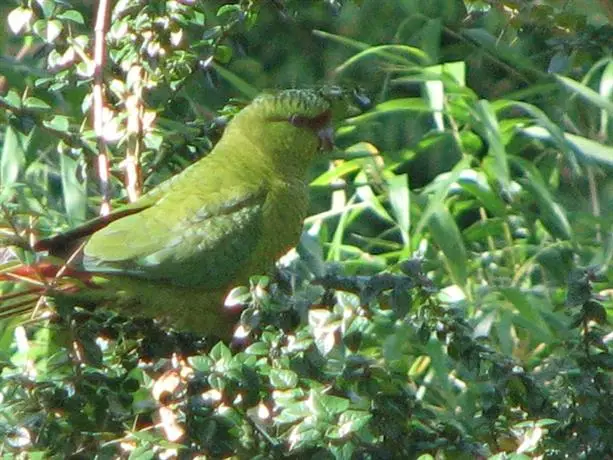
[271,159]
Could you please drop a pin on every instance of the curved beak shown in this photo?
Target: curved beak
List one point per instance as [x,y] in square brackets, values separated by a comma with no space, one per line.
[326,138]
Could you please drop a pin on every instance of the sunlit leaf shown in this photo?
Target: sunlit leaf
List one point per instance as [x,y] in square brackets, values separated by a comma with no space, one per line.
[586,93]
[447,236]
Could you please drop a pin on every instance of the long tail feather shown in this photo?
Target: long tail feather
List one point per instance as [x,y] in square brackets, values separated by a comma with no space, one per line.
[28,283]
[15,295]
[19,309]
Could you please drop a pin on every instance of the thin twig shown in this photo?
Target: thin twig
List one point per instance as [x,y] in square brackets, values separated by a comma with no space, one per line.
[519,74]
[594,199]
[98,102]
[135,112]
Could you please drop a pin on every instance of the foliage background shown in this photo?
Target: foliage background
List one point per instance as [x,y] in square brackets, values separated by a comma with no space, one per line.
[453,294]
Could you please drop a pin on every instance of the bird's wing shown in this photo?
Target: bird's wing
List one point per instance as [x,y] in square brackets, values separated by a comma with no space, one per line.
[66,242]
[63,244]
[188,239]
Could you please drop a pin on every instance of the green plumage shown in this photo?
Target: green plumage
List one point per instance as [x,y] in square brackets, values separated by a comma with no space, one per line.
[174,254]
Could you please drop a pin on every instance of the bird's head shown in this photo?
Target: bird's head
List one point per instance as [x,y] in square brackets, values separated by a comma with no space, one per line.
[292,126]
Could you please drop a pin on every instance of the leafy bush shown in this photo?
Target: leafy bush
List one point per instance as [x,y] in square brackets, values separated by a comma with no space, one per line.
[453,290]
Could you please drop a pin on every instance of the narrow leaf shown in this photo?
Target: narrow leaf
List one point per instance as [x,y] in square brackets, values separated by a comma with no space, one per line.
[447,236]
[586,93]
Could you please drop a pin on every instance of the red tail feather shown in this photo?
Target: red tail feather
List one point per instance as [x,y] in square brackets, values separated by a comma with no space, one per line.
[33,281]
[45,271]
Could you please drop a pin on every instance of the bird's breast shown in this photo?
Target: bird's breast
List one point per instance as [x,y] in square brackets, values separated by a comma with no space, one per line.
[283,214]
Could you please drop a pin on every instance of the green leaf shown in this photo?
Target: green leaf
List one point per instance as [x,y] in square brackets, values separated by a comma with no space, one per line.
[48,7]
[353,420]
[408,104]
[240,84]
[482,229]
[346,450]
[475,183]
[144,452]
[529,312]
[228,9]
[258,349]
[447,236]
[200,363]
[240,295]
[435,92]
[74,190]
[438,190]
[19,18]
[220,353]
[199,18]
[551,214]
[72,15]
[223,54]
[54,29]
[12,99]
[487,117]
[293,412]
[401,55]
[35,103]
[13,161]
[400,201]
[344,169]
[368,196]
[588,148]
[327,405]
[586,93]
[282,379]
[153,140]
[543,120]
[304,435]
[48,30]
[58,123]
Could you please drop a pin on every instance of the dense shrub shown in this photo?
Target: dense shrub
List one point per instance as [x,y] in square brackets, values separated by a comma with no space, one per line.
[451,293]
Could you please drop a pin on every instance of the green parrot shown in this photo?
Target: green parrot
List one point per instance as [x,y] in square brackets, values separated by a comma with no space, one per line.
[174,254]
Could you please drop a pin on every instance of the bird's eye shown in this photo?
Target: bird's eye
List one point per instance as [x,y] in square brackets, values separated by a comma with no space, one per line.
[299,121]
[313,123]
